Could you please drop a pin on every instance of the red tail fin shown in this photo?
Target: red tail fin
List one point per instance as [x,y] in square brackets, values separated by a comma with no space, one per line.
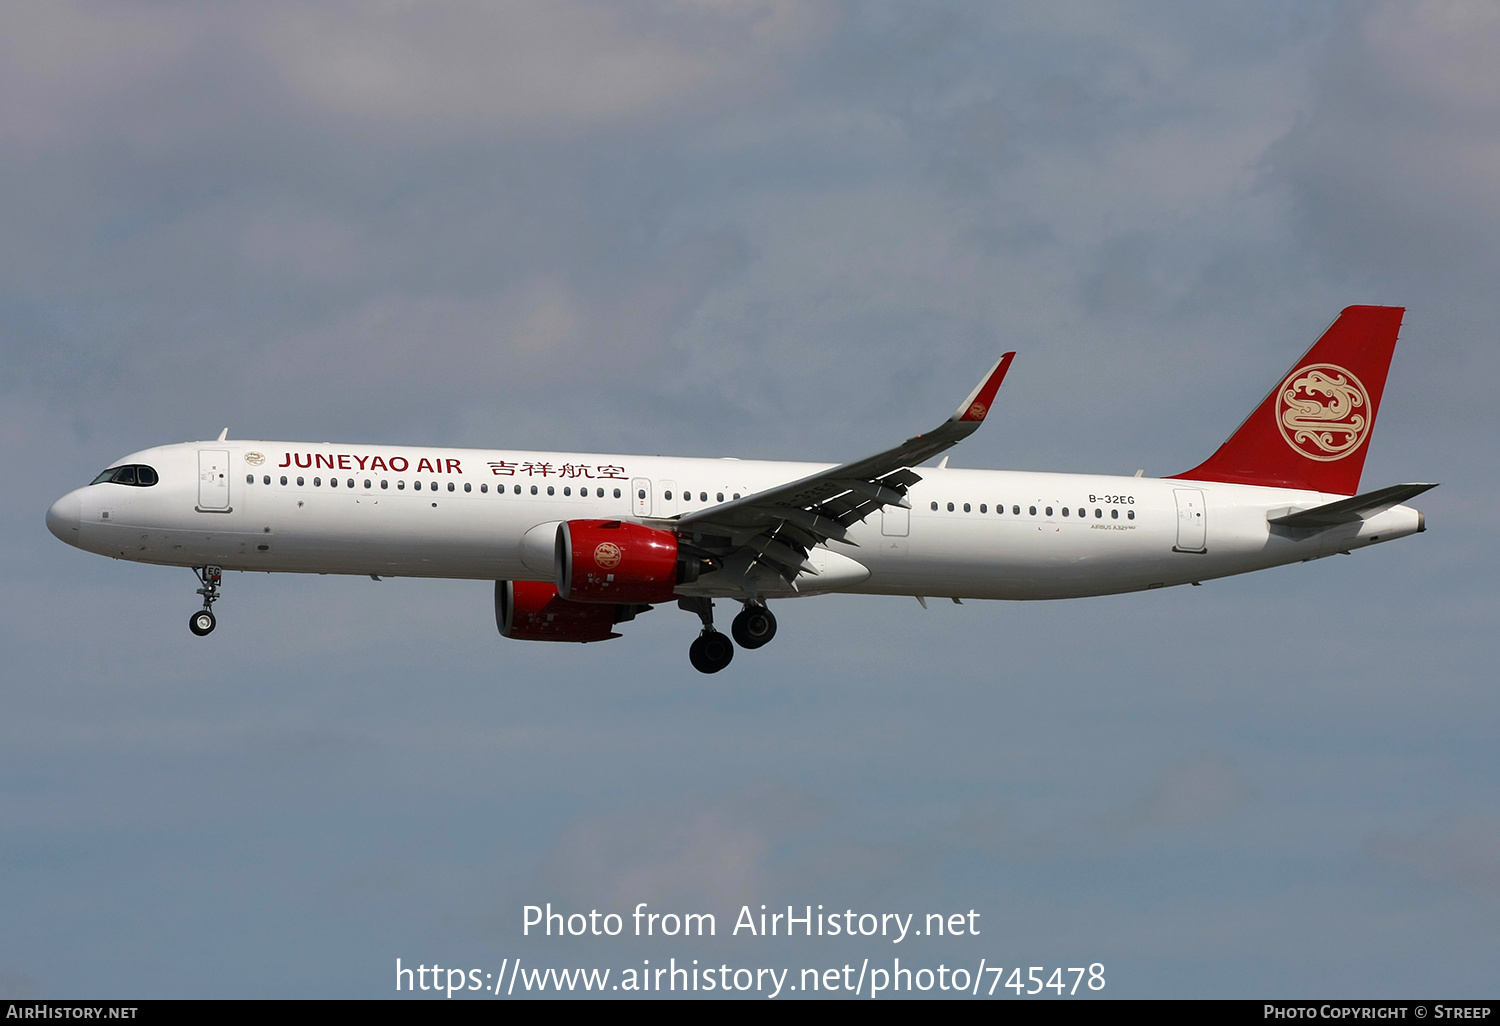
[1313,430]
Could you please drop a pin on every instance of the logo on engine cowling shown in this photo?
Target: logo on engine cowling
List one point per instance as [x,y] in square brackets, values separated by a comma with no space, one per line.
[1323,411]
[607,555]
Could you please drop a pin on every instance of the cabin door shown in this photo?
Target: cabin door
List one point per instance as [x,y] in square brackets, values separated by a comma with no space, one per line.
[1192,521]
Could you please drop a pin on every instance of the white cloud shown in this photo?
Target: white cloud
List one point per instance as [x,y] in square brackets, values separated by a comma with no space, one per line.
[476,68]
[692,854]
[1464,852]
[1206,789]
[1397,160]
[59,61]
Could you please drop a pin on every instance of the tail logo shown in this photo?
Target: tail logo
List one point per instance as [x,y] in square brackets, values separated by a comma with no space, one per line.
[978,410]
[1323,412]
[607,555]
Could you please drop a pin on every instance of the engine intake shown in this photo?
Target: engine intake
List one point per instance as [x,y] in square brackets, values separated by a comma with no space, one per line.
[617,561]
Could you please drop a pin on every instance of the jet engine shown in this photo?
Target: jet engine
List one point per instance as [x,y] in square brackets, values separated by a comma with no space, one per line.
[618,561]
[533,611]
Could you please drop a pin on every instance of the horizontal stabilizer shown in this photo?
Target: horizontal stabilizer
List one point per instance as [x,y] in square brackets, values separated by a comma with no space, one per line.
[1351,510]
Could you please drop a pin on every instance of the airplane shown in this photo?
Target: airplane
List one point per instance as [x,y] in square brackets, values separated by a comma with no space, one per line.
[578,544]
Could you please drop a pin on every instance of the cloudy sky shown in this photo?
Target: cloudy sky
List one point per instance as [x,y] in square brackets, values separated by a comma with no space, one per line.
[763,229]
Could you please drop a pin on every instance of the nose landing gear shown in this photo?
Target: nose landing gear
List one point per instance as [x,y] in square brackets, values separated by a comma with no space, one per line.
[203,621]
[754,626]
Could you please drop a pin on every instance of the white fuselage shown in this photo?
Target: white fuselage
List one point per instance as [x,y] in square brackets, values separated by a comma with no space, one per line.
[491,515]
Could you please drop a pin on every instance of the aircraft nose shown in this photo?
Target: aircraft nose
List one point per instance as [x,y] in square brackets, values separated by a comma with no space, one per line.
[64,516]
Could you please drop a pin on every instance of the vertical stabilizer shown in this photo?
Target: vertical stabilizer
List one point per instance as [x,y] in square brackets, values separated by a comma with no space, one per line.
[1313,430]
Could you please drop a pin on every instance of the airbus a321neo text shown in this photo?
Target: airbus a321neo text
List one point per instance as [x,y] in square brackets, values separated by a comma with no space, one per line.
[578,543]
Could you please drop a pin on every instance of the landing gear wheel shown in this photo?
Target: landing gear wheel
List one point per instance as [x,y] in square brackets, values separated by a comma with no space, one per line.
[203,621]
[711,652]
[754,626]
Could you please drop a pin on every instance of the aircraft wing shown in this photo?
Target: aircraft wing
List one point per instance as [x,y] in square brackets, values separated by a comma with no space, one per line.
[778,526]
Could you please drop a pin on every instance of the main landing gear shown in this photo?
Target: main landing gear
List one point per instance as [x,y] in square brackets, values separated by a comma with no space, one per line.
[203,621]
[754,626]
[712,651]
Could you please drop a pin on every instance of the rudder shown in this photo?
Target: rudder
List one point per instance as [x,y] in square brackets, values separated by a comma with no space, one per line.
[1313,430]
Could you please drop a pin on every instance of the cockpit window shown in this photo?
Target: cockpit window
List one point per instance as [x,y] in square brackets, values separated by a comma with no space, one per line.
[136,474]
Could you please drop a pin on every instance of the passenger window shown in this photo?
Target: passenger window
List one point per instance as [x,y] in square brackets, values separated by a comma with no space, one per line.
[600,493]
[450,486]
[1114,514]
[468,487]
[367,482]
[1065,511]
[721,497]
[641,494]
[1130,515]
[384,483]
[736,495]
[1033,511]
[300,481]
[617,493]
[533,489]
[1016,510]
[665,495]
[950,507]
[434,486]
[1049,511]
[934,507]
[350,482]
[249,478]
[483,488]
[266,479]
[518,489]
[1098,513]
[317,482]
[569,491]
[400,486]
[966,507]
[702,496]
[983,508]
[333,482]
[283,479]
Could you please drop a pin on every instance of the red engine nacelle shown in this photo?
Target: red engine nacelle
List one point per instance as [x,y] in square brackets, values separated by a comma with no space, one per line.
[617,561]
[533,611]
